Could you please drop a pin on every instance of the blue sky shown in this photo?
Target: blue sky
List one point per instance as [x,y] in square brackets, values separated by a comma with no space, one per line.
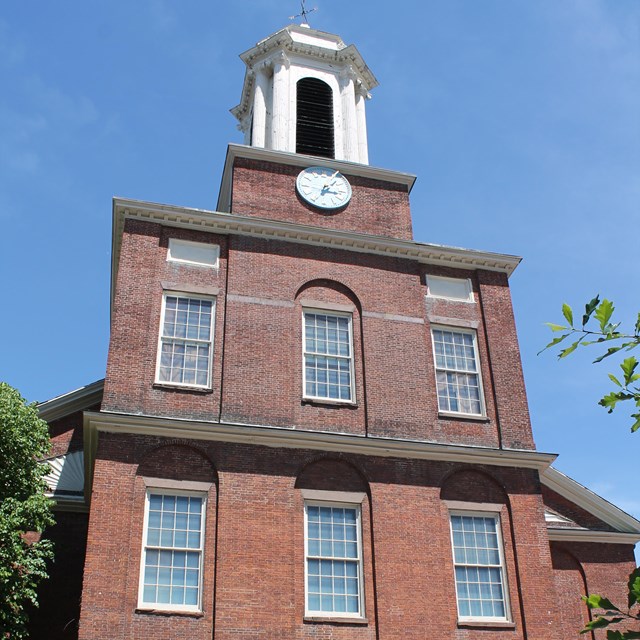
[521,120]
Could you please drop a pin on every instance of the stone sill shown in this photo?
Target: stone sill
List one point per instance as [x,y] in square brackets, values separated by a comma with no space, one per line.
[336,620]
[164,386]
[467,417]
[165,612]
[330,403]
[485,624]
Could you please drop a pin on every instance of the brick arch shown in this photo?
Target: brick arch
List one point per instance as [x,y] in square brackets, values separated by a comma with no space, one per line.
[571,582]
[331,474]
[473,485]
[177,462]
[329,291]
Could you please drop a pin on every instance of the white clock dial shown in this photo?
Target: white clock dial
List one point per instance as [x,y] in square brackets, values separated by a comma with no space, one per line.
[323,187]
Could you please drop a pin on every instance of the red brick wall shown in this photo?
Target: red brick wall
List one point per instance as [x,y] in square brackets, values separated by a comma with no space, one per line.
[596,568]
[254,559]
[257,377]
[268,190]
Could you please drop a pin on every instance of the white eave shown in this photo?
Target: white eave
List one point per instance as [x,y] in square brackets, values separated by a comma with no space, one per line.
[228,223]
[68,403]
[591,502]
[588,535]
[288,438]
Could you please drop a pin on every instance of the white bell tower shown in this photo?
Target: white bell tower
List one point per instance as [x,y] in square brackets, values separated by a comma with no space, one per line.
[304,92]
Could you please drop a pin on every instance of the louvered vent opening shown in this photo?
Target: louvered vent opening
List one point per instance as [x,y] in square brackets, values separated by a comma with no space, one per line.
[314,128]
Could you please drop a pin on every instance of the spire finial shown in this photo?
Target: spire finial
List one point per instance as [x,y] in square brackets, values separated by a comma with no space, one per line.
[304,12]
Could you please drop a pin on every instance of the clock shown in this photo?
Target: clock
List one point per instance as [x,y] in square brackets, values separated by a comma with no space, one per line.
[323,188]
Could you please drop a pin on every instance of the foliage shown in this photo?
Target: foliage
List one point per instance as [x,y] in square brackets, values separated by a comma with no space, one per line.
[614,615]
[597,328]
[24,440]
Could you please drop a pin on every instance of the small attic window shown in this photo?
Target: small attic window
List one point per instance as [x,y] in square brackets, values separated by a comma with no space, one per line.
[314,126]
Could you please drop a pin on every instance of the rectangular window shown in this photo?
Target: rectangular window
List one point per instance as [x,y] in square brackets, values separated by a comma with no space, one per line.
[449,288]
[333,560]
[457,372]
[328,356]
[171,572]
[186,341]
[194,253]
[479,567]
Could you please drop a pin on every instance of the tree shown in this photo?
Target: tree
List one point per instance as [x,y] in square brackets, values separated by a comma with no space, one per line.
[24,508]
[597,328]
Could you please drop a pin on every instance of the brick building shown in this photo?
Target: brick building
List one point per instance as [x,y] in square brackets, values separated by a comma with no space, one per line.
[311,425]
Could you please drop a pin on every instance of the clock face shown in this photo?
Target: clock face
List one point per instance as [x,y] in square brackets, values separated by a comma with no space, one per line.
[323,187]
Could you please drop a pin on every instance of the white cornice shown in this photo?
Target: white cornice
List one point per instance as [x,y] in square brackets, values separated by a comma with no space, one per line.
[69,403]
[280,437]
[300,160]
[589,501]
[228,223]
[586,535]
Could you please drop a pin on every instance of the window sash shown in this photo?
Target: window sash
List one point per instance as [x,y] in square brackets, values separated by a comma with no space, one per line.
[186,360]
[170,572]
[457,370]
[327,372]
[333,581]
[481,586]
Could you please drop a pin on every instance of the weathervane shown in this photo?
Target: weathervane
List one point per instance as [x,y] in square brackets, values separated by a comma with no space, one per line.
[303,13]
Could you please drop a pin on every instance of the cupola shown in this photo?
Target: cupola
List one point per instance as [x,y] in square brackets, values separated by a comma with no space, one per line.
[304,92]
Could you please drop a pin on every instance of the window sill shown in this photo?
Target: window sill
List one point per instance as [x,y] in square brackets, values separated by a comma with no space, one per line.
[336,620]
[172,612]
[166,386]
[471,417]
[485,624]
[330,403]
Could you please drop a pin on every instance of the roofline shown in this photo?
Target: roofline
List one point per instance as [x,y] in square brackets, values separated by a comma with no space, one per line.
[590,501]
[282,437]
[587,535]
[68,403]
[229,223]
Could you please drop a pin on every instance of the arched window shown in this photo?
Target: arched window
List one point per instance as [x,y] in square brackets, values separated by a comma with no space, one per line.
[314,126]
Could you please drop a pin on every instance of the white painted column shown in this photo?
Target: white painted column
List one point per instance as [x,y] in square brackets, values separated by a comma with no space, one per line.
[280,108]
[362,96]
[349,120]
[259,126]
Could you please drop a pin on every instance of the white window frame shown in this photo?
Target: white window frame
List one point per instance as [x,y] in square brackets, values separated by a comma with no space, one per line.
[467,285]
[174,243]
[350,358]
[164,606]
[311,613]
[502,566]
[210,342]
[478,372]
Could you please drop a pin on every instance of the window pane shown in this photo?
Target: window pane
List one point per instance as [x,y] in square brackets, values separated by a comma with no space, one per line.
[165,572]
[478,567]
[336,576]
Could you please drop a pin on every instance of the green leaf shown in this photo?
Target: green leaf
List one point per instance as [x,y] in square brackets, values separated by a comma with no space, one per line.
[565,352]
[628,366]
[610,352]
[636,425]
[610,401]
[589,308]
[556,327]
[614,635]
[567,312]
[554,342]
[614,379]
[598,602]
[629,635]
[599,623]
[638,324]
[604,312]
[634,587]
